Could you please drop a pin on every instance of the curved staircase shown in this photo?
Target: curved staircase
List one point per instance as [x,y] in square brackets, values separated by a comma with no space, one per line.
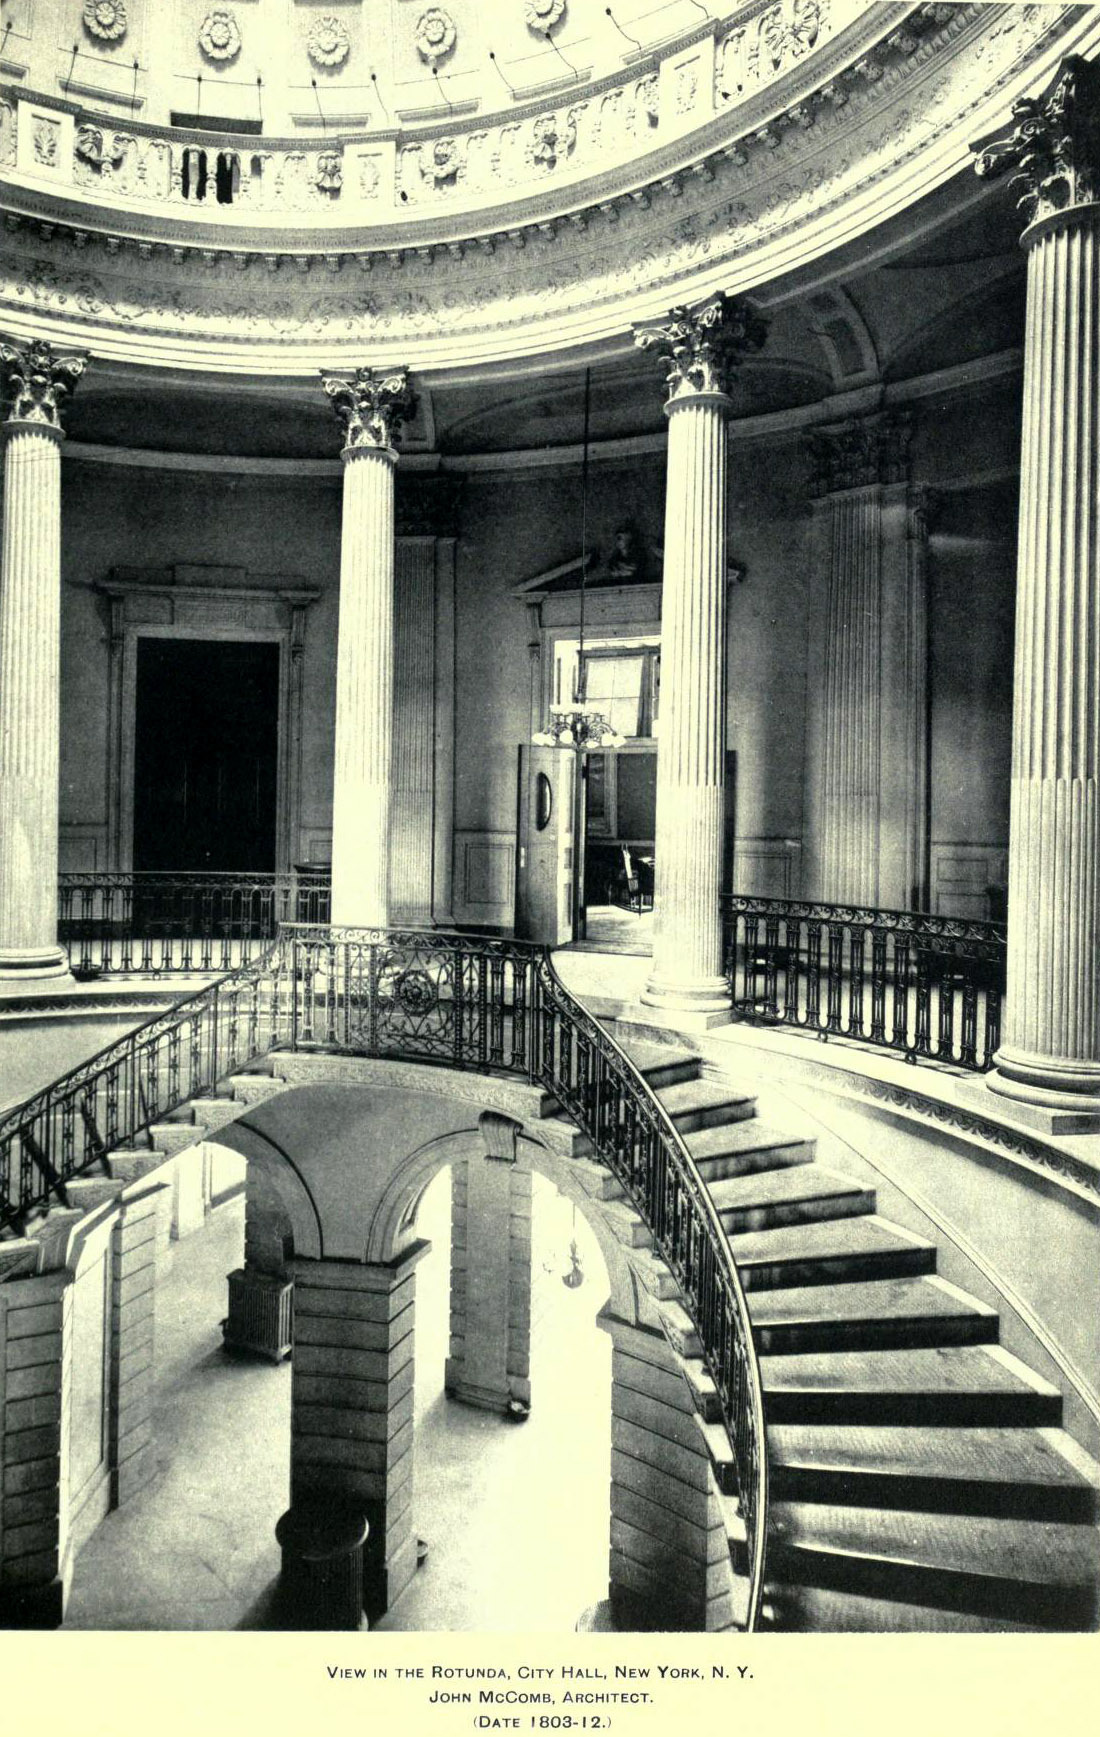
[920,1476]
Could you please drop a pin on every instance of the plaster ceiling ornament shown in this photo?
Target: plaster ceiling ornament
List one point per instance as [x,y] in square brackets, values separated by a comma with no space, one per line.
[220,37]
[1052,144]
[91,147]
[370,407]
[435,35]
[329,177]
[543,16]
[704,345]
[328,43]
[442,164]
[35,382]
[105,19]
[551,141]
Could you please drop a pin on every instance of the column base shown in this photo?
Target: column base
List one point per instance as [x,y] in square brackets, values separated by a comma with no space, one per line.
[1054,1096]
[506,1402]
[693,1006]
[29,964]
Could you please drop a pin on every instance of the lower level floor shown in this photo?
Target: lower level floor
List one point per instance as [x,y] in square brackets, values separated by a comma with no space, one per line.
[506,1551]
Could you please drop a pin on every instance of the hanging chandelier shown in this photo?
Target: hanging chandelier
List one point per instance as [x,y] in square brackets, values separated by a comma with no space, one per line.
[574,726]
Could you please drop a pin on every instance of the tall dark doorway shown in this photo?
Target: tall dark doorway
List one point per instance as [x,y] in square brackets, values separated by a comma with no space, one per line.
[205,755]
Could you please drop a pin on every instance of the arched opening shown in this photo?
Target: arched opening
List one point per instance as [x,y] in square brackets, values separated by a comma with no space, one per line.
[195,1547]
[514,1513]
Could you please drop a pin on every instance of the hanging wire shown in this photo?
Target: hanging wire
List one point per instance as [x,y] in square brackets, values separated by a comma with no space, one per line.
[581,683]
[493,58]
[560,55]
[378,93]
[320,110]
[621,31]
[260,97]
[442,92]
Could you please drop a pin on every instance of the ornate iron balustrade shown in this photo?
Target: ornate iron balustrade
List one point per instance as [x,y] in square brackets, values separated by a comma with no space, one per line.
[461,1001]
[928,987]
[154,924]
[111,1100]
[499,1006]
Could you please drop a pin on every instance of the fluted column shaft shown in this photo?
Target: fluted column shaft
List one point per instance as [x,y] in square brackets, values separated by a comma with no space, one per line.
[851,769]
[1051,1050]
[691,753]
[30,629]
[364,690]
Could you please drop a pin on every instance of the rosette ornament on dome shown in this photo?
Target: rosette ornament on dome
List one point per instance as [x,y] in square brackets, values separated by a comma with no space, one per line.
[220,37]
[106,20]
[328,43]
[435,35]
[543,16]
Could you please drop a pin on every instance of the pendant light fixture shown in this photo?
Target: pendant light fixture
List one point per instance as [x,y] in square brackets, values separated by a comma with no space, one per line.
[573,725]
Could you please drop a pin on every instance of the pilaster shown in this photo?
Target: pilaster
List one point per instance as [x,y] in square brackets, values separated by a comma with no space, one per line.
[351,1424]
[869,759]
[669,1552]
[701,347]
[133,1283]
[34,1395]
[490,1347]
[1049,1059]
[412,819]
[34,382]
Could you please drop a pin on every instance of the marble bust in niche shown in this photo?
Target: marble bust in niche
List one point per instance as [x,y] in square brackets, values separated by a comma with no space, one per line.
[627,562]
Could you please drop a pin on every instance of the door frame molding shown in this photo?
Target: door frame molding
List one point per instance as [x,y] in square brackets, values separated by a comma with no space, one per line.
[158,605]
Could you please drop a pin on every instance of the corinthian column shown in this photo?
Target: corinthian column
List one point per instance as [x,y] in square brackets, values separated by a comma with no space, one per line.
[701,347]
[371,409]
[1050,1056]
[35,384]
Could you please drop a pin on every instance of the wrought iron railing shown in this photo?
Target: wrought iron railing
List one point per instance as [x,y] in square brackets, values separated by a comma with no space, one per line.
[495,1006]
[154,924]
[927,987]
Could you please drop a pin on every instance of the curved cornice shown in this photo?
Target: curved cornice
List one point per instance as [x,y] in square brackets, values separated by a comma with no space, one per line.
[738,218]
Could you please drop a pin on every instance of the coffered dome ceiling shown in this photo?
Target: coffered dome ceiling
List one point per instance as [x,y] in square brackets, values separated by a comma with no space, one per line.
[799,150]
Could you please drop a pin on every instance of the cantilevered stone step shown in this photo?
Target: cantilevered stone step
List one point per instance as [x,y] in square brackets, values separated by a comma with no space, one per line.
[627,1224]
[1027,1474]
[664,1066]
[830,1251]
[702,1104]
[214,1112]
[255,1088]
[869,1314]
[562,1135]
[976,1385]
[173,1137]
[796,1195]
[129,1164]
[1022,1570]
[740,1148]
